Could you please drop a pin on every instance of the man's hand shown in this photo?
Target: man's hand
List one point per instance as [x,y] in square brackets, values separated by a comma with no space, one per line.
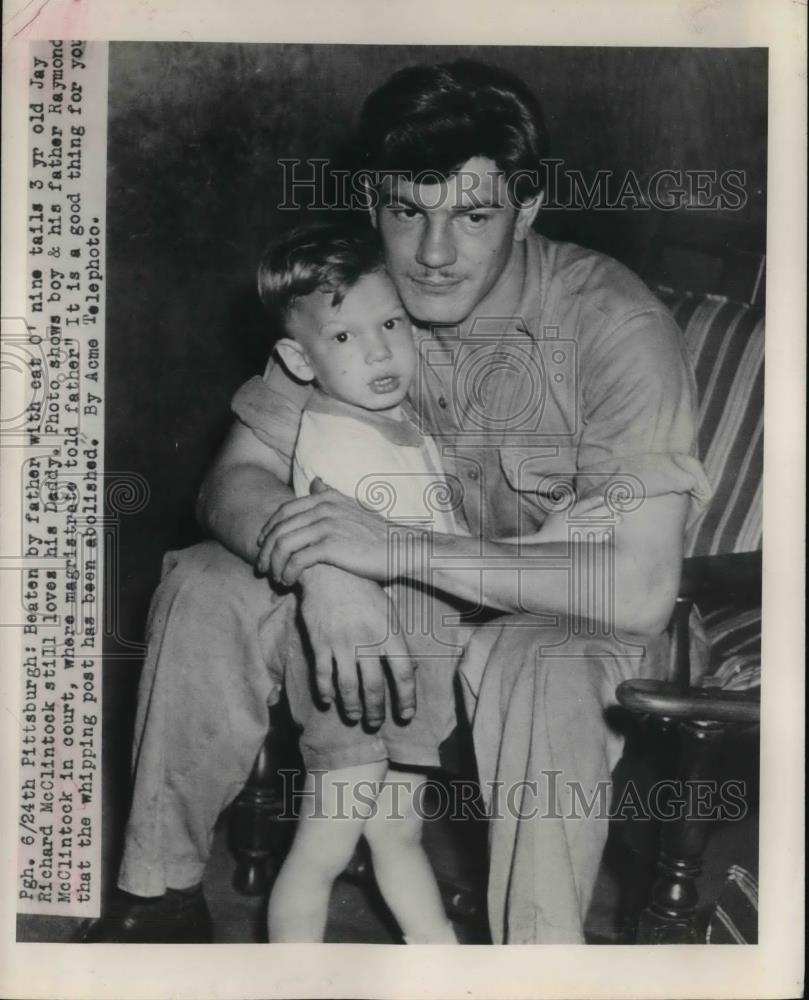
[342,613]
[325,527]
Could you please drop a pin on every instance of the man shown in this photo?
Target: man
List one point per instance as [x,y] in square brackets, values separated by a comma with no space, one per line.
[543,367]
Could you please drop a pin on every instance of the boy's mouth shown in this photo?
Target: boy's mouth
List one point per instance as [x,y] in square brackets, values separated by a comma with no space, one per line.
[385,384]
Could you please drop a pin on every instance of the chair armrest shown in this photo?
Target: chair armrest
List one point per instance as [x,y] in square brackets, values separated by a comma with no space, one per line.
[734,575]
[667,700]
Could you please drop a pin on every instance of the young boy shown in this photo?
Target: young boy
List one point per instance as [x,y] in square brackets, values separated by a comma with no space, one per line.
[349,335]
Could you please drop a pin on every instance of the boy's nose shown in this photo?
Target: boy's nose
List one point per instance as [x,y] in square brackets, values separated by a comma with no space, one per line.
[377,349]
[436,248]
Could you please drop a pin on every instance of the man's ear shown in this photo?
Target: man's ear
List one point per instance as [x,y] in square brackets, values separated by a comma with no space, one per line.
[294,359]
[526,214]
[371,197]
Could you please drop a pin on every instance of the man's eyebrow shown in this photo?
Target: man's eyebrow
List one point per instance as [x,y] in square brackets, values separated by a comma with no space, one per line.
[477,204]
[403,199]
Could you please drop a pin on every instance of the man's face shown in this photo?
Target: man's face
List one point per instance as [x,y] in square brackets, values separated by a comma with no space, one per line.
[449,243]
[360,351]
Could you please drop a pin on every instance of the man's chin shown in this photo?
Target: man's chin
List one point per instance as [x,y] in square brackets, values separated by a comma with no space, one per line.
[428,311]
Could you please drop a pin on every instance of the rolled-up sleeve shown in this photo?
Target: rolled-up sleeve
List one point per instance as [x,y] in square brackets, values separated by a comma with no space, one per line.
[639,437]
[271,406]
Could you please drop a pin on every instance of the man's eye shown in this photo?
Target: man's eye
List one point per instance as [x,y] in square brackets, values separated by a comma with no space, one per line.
[405,214]
[477,219]
[341,337]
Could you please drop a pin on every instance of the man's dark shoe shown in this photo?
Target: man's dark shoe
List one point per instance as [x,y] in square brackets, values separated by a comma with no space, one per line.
[178,917]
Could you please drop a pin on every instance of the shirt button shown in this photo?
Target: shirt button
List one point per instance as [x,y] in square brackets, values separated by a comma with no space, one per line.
[473,474]
[442,402]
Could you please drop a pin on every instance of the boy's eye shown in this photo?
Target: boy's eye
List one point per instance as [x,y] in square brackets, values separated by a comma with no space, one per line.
[391,324]
[341,337]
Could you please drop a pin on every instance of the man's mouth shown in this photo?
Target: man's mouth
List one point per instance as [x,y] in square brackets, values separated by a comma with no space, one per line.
[435,286]
[385,384]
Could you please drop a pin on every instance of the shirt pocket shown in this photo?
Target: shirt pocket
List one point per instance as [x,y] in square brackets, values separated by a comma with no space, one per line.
[545,473]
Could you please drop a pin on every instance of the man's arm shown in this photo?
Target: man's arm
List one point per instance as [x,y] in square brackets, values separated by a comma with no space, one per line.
[631,579]
[246,484]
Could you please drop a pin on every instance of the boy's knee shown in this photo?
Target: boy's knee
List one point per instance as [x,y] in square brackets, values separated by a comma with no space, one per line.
[323,853]
[392,833]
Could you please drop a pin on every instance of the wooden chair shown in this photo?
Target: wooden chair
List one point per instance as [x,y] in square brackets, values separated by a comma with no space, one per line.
[705,704]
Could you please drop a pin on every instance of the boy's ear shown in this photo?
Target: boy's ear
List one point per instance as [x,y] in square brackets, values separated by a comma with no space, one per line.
[294,359]
[526,214]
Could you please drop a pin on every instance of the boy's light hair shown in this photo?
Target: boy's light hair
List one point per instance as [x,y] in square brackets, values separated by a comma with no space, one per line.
[319,256]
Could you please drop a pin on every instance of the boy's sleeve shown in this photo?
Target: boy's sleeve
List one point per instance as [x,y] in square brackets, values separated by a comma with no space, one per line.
[271,406]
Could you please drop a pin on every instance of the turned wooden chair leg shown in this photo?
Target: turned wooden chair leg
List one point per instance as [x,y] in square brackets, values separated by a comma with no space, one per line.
[261,823]
[671,915]
[255,813]
[633,847]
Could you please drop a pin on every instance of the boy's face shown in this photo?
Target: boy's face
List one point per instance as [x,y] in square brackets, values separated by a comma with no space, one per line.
[361,351]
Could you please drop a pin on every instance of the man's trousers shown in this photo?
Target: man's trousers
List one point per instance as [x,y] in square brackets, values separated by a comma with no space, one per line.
[537,696]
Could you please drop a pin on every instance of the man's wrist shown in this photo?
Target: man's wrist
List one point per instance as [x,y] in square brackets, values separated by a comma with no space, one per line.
[312,574]
[410,549]
[321,573]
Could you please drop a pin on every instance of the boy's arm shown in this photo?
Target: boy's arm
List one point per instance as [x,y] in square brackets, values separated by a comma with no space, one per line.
[247,483]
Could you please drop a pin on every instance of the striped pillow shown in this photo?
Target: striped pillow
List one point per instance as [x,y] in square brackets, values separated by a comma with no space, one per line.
[734,638]
[725,340]
[734,919]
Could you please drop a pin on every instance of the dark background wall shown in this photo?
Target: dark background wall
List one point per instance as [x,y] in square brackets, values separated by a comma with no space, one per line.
[195,133]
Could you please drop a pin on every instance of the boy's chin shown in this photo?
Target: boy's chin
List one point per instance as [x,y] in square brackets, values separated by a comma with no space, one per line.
[379,404]
[376,404]
[383,406]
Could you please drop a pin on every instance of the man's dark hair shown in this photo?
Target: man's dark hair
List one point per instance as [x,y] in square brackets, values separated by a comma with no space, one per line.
[433,119]
[325,256]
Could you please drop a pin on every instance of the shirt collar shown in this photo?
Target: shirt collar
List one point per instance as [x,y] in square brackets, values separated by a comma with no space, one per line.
[398,432]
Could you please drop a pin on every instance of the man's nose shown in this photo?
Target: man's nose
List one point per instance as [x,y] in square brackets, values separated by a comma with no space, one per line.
[377,348]
[436,248]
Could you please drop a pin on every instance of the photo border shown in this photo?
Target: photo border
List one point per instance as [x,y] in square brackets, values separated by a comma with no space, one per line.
[774,966]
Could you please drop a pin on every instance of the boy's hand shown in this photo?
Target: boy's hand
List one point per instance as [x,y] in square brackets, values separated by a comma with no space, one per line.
[343,613]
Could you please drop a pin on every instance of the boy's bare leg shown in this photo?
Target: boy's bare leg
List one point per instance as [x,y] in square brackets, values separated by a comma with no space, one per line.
[401,866]
[330,823]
